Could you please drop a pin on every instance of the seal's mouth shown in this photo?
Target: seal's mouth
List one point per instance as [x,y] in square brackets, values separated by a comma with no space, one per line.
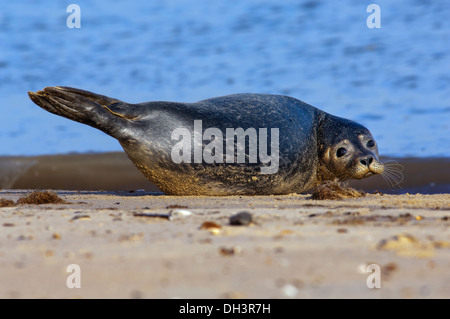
[362,170]
[369,173]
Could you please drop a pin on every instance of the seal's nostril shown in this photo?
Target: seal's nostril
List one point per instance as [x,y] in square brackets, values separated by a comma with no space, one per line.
[366,161]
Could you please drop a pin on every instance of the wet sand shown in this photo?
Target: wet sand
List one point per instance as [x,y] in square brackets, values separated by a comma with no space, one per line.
[130,242]
[114,171]
[135,245]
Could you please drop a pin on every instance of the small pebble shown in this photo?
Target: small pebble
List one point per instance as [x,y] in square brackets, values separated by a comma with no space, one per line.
[180,213]
[81,217]
[241,219]
[177,206]
[212,227]
[156,215]
[230,251]
[8,225]
[290,290]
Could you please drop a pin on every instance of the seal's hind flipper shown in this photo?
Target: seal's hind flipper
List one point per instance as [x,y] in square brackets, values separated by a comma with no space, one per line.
[96,110]
[114,106]
[96,98]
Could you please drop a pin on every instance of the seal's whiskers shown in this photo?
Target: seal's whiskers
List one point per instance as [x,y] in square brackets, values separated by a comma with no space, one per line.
[393,173]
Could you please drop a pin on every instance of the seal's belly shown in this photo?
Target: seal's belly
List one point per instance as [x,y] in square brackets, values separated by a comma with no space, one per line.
[220,181]
[270,166]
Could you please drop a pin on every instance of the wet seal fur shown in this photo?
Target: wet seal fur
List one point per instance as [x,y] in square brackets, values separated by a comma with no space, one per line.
[314,146]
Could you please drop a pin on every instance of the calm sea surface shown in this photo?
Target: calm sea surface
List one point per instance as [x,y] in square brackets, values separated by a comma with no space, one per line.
[395,79]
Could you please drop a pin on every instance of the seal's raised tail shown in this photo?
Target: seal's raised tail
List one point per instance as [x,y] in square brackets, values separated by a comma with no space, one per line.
[96,110]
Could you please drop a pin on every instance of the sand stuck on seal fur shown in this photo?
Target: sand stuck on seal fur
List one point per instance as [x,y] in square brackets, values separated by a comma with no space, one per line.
[335,190]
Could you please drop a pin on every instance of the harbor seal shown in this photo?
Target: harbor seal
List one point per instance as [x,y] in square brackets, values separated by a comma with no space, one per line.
[240,144]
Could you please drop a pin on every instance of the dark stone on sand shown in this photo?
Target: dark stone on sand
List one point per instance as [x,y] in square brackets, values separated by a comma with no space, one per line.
[241,219]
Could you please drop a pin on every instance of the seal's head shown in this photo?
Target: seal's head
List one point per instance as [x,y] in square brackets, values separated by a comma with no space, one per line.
[347,150]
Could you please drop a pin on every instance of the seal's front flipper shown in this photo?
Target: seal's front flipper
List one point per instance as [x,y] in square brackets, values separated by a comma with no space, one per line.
[96,110]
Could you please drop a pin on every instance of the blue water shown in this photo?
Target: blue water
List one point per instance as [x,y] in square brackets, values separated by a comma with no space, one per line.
[395,80]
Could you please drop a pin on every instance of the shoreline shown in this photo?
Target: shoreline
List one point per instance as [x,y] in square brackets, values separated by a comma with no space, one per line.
[114,171]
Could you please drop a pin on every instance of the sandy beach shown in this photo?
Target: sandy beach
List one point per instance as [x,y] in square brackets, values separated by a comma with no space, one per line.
[132,241]
[92,219]
[142,244]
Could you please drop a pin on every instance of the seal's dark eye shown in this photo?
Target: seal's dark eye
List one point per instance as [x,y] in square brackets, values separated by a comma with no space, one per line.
[370,143]
[341,152]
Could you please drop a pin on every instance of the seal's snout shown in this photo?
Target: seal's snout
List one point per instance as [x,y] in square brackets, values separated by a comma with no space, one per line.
[371,165]
[366,161]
